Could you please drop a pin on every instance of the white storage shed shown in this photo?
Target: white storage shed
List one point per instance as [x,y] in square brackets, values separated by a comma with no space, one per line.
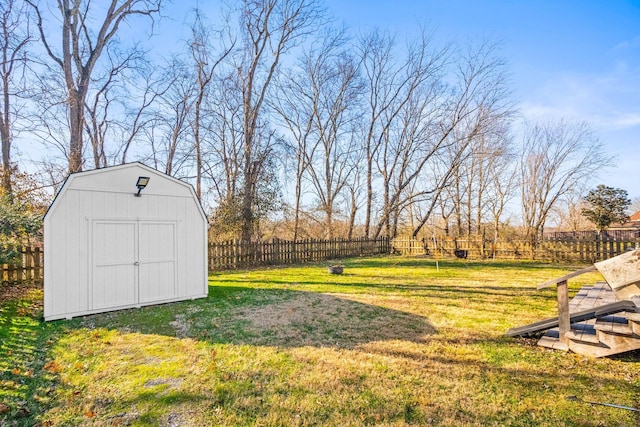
[120,237]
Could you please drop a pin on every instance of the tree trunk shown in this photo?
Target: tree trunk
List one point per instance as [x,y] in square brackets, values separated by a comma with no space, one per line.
[76,113]
[196,130]
[16,36]
[247,194]
[329,223]
[6,160]
[387,209]
[367,217]
[5,137]
[352,215]
[296,220]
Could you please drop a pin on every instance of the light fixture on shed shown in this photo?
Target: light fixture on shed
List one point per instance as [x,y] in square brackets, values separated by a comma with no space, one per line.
[142,182]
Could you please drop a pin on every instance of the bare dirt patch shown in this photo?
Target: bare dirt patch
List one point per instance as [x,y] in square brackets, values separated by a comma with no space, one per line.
[181,326]
[170,382]
[309,318]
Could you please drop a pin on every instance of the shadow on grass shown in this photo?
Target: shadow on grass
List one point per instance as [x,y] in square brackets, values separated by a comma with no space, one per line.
[277,318]
[29,375]
[26,381]
[405,261]
[271,317]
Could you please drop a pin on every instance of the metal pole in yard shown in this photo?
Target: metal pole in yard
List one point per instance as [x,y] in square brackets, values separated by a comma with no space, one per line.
[435,244]
[611,405]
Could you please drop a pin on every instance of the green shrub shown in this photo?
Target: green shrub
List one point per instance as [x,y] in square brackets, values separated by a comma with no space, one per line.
[19,224]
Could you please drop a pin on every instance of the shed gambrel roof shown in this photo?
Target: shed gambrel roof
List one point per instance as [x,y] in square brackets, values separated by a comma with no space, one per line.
[104,179]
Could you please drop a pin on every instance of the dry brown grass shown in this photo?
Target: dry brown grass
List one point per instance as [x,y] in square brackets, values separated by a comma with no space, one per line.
[311,319]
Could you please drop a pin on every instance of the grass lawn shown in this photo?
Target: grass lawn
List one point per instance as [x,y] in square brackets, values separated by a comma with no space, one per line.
[391,342]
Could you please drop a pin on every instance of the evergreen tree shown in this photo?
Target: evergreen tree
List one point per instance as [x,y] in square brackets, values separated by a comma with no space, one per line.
[606,205]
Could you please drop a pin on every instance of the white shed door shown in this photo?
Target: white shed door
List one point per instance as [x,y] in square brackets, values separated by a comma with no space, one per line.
[134,262]
[114,271]
[157,246]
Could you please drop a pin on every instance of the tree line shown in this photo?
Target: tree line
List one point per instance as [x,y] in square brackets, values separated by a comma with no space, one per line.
[285,122]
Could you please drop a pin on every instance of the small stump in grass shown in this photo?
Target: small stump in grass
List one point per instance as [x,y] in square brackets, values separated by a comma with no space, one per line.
[336,269]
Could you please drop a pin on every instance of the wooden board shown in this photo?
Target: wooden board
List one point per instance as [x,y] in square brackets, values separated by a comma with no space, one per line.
[622,273]
[600,325]
[565,278]
[581,316]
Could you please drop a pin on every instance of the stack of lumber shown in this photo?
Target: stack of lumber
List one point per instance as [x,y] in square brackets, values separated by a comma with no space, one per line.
[601,320]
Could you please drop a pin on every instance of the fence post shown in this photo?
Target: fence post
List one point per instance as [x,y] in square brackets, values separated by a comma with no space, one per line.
[236,253]
[27,268]
[37,266]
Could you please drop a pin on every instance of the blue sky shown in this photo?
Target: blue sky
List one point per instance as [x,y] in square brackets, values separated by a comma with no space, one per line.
[568,58]
[577,59]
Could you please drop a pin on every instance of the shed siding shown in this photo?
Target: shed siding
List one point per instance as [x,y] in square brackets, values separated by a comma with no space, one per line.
[104,197]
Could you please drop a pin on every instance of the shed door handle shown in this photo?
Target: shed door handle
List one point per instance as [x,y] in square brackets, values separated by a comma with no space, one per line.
[136,263]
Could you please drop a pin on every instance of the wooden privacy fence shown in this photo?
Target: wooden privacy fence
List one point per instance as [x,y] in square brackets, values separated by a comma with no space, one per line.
[28,270]
[586,250]
[618,235]
[238,254]
[445,247]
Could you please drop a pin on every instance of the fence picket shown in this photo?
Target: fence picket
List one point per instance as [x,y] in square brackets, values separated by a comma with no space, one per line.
[238,254]
[27,270]
[556,250]
[234,254]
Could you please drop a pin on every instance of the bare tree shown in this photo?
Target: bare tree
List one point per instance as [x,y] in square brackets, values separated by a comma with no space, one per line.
[97,122]
[206,64]
[501,186]
[569,213]
[406,148]
[479,99]
[82,45]
[171,146]
[223,162]
[269,29]
[404,142]
[144,89]
[49,121]
[111,88]
[491,159]
[459,192]
[472,181]
[390,85]
[555,158]
[223,159]
[320,106]
[355,191]
[15,37]
[295,105]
